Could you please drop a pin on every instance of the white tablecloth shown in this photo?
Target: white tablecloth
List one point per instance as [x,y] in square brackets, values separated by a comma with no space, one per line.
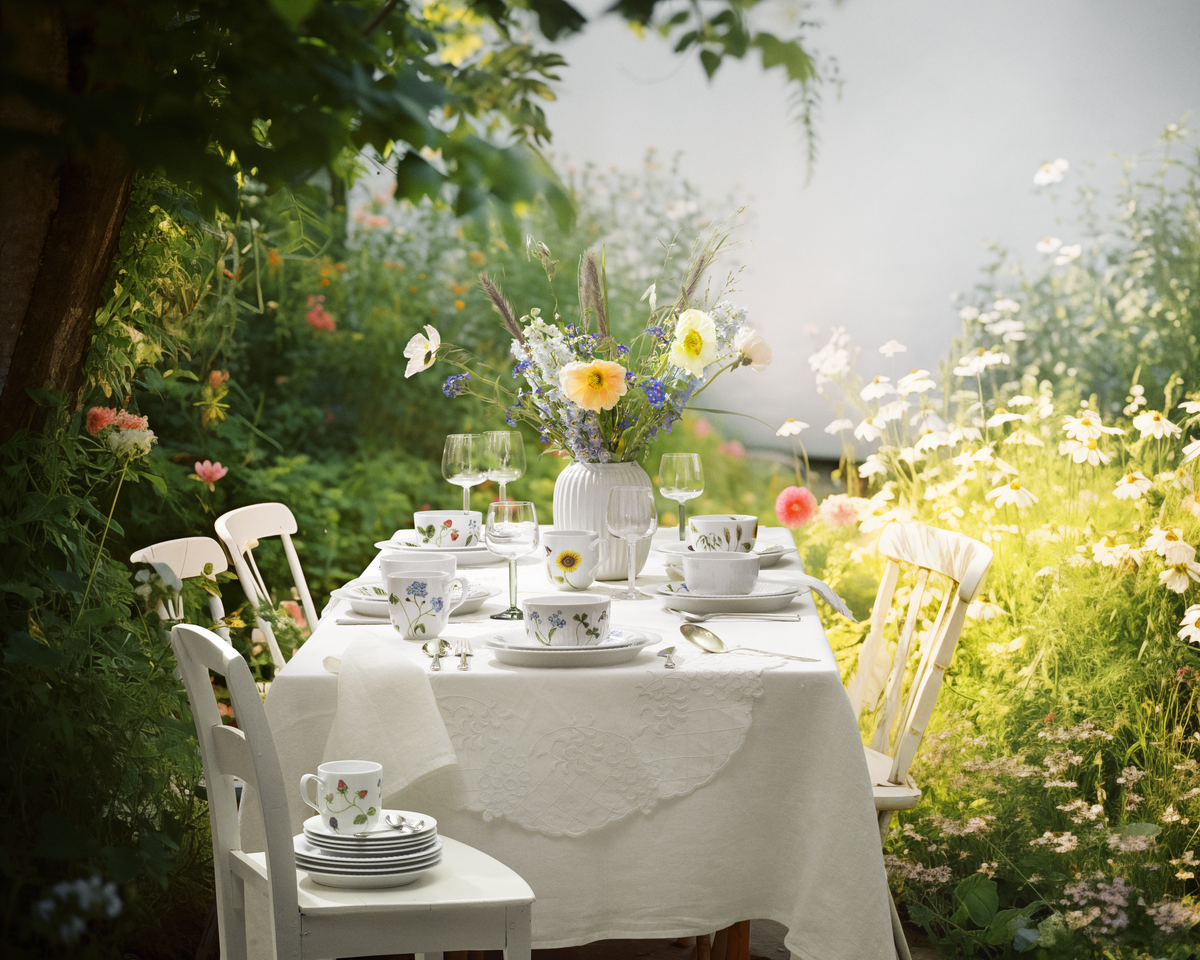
[637,801]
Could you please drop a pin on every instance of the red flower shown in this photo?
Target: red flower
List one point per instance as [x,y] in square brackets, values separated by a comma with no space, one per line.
[1049,718]
[362,794]
[795,507]
[131,421]
[342,788]
[100,418]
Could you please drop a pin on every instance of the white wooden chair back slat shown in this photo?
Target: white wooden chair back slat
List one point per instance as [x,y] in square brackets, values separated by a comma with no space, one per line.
[185,558]
[964,563]
[249,754]
[241,531]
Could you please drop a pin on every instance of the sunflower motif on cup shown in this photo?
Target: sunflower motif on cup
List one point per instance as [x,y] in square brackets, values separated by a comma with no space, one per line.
[568,561]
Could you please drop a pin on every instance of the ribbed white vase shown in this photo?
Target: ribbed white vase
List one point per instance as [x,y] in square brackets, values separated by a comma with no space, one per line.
[580,502]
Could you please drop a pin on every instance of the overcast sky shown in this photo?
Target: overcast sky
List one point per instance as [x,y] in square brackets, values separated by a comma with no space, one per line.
[947,110]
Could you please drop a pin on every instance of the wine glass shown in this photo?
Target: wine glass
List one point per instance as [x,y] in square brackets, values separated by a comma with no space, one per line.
[462,462]
[631,516]
[503,457]
[511,532]
[681,478]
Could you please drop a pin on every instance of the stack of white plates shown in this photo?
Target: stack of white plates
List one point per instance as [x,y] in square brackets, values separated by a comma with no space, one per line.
[383,857]
[516,649]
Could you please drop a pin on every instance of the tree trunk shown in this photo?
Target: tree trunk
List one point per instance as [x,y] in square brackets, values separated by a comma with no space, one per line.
[60,224]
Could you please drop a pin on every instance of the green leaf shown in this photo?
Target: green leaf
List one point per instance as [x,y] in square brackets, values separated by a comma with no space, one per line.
[47,397]
[23,648]
[294,11]
[360,818]
[978,896]
[370,811]
[556,17]
[158,482]
[787,54]
[710,61]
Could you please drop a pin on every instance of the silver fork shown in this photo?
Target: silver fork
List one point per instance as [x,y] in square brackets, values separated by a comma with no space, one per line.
[462,650]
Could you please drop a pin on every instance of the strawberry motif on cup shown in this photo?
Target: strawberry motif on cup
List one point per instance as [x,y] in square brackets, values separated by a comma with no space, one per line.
[453,535]
[342,788]
[362,794]
[447,523]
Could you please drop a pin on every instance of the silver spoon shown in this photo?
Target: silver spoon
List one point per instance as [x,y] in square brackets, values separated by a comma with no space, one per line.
[403,823]
[666,652]
[709,642]
[436,648]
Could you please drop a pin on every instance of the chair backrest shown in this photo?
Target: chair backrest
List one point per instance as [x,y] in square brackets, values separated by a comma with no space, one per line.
[178,560]
[248,753]
[929,552]
[241,530]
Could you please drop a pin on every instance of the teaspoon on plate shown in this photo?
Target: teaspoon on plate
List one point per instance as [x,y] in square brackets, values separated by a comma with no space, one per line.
[436,648]
[709,642]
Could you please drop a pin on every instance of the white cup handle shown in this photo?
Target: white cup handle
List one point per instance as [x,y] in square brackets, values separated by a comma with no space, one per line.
[462,598]
[603,550]
[304,789]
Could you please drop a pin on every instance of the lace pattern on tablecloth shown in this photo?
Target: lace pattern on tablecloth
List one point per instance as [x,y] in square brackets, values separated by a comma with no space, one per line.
[608,760]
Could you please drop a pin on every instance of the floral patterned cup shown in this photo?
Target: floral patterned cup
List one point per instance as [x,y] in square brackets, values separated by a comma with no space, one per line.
[421,601]
[349,795]
[567,621]
[573,556]
[449,529]
[722,533]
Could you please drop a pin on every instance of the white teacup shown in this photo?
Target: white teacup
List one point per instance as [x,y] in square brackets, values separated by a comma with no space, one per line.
[567,621]
[573,556]
[722,533]
[449,529]
[445,563]
[349,795]
[420,601]
[720,574]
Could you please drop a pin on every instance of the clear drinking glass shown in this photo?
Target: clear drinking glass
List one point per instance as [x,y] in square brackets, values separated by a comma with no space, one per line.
[511,532]
[462,462]
[503,457]
[681,478]
[631,516]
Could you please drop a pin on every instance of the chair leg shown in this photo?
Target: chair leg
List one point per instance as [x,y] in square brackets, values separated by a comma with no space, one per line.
[519,944]
[739,941]
[902,952]
[720,946]
[703,946]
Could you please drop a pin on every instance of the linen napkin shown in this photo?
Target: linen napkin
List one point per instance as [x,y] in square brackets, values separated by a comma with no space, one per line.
[386,712]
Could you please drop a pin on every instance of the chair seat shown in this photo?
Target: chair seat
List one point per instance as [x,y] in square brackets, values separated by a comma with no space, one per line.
[889,796]
[465,876]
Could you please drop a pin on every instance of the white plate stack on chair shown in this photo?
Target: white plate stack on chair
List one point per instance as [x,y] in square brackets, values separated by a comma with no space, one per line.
[385,856]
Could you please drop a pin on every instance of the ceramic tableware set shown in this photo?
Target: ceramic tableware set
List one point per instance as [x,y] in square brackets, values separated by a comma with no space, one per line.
[354,842]
[568,630]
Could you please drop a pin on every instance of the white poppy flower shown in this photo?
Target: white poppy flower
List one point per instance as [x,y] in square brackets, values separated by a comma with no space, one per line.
[695,344]
[1151,423]
[915,381]
[892,347]
[839,425]
[422,351]
[1051,172]
[1189,626]
[1132,486]
[1048,245]
[872,466]
[791,427]
[1068,253]
[1180,576]
[877,388]
[1011,493]
[868,430]
[753,348]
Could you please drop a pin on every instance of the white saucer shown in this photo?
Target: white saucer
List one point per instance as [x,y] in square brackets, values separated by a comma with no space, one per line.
[369,598]
[624,645]
[312,855]
[382,834]
[767,597]
[404,541]
[359,881]
[768,554]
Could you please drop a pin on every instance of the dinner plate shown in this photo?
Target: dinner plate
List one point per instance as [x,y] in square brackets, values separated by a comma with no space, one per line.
[768,554]
[307,851]
[381,834]
[397,849]
[771,597]
[369,598]
[359,881]
[406,542]
[627,644]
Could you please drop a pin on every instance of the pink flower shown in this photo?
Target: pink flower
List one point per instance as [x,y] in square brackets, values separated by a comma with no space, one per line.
[100,418]
[131,421]
[734,448]
[795,507]
[293,610]
[838,511]
[318,319]
[209,473]
[702,428]
[216,378]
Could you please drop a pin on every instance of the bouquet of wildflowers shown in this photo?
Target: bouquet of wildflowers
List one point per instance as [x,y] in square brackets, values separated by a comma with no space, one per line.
[590,395]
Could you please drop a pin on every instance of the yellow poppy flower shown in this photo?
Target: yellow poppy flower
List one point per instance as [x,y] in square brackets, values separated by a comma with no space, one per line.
[594,386]
[695,343]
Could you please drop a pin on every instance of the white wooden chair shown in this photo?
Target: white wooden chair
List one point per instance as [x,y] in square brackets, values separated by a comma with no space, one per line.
[241,530]
[468,902]
[879,681]
[178,560]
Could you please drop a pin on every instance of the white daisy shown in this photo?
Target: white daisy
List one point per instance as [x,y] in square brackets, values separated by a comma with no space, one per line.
[1087,426]
[1132,486]
[1047,244]
[1020,400]
[1051,172]
[877,388]
[1151,423]
[1189,626]
[1081,451]
[893,347]
[1006,305]
[1190,452]
[422,351]
[893,411]
[1002,416]
[969,313]
[974,364]
[985,610]
[1160,539]
[1180,576]
[791,427]
[932,440]
[869,429]
[1007,330]
[1190,406]
[915,381]
[872,466]
[839,425]
[959,434]
[1011,492]
[1068,253]
[1024,438]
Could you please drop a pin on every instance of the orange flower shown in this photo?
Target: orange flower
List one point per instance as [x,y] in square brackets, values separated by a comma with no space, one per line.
[274,259]
[325,281]
[412,289]
[594,386]
[458,304]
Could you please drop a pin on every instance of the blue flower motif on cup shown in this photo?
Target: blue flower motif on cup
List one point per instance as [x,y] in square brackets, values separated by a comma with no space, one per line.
[416,588]
[557,619]
[437,604]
